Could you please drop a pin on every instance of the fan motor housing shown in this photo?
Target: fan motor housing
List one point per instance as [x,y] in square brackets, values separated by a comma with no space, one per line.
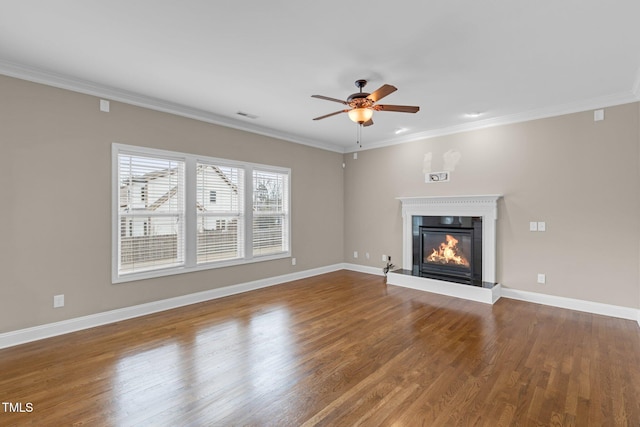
[357,95]
[359,100]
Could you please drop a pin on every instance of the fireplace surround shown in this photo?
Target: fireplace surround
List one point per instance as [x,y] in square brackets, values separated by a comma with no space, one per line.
[476,213]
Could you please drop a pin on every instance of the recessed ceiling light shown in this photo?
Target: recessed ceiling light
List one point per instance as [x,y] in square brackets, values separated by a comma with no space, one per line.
[398,131]
[473,115]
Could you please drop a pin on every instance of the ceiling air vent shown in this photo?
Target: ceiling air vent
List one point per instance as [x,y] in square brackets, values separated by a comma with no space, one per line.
[247,115]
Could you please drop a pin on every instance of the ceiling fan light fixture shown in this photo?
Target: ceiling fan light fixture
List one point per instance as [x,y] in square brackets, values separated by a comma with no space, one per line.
[360,115]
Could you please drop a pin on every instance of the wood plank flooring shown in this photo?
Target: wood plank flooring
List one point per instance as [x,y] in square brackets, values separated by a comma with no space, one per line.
[340,349]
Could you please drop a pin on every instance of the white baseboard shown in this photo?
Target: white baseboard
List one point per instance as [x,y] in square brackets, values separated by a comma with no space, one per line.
[554,301]
[534,297]
[574,304]
[363,269]
[22,336]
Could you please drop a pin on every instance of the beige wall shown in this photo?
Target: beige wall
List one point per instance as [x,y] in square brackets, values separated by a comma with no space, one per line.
[55,190]
[580,176]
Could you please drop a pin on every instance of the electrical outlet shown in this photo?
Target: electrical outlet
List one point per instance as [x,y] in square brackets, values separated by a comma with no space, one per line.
[355,254]
[366,255]
[293,261]
[58,301]
[542,278]
[384,258]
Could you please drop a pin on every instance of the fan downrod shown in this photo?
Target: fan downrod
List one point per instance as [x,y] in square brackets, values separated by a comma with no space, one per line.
[359,99]
[360,84]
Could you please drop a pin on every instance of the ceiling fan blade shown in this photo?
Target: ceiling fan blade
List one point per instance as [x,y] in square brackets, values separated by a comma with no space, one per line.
[330,99]
[383,91]
[398,108]
[368,122]
[329,115]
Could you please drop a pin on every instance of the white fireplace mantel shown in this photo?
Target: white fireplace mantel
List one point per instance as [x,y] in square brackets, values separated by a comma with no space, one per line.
[485,206]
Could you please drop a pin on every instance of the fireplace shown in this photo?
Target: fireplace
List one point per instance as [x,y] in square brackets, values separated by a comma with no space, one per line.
[455,227]
[448,248]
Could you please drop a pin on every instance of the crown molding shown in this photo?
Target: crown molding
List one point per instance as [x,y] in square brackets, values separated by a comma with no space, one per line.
[542,113]
[87,87]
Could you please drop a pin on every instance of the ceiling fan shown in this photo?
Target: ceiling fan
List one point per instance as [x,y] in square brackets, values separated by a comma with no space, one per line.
[363,104]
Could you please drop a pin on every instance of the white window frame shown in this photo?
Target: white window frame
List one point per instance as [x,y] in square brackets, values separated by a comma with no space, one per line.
[190,238]
[237,214]
[284,214]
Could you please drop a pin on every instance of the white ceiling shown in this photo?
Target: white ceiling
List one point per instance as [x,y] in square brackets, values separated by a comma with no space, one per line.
[510,60]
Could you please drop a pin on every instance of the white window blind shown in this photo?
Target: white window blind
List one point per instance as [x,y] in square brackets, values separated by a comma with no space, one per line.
[151,213]
[219,207]
[270,212]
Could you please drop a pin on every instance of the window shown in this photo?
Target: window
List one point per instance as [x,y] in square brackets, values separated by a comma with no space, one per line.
[270,212]
[221,221]
[151,212]
[176,212]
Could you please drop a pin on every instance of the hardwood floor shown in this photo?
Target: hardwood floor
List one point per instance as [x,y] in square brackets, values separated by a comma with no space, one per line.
[339,349]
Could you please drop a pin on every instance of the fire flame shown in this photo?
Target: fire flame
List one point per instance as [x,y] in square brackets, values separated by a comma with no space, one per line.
[447,253]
